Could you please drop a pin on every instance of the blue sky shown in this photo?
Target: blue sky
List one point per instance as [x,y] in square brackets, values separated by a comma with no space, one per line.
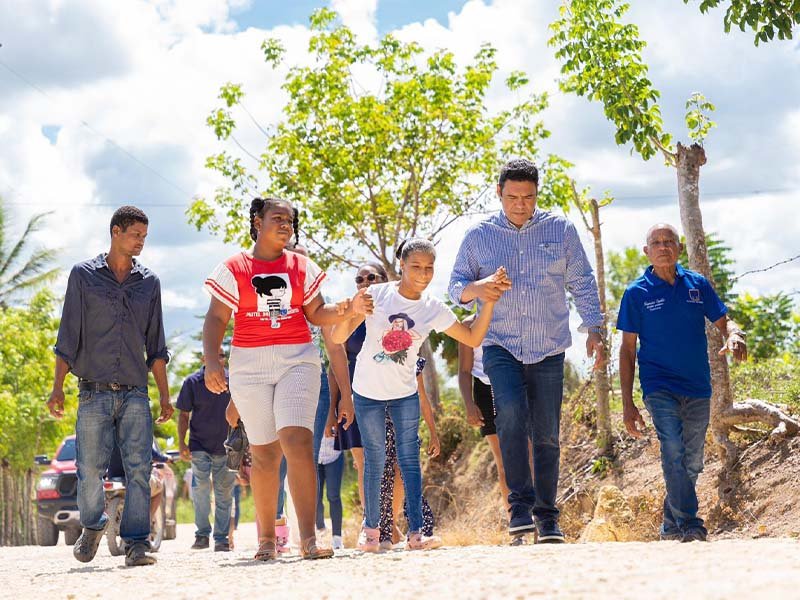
[391,14]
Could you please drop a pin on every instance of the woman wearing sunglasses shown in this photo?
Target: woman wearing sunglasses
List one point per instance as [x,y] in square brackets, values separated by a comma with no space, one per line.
[350,439]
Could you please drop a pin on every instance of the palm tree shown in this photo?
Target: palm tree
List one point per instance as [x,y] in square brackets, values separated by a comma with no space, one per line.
[18,274]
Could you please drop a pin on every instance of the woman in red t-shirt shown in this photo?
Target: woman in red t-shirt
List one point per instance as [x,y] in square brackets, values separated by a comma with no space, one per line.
[274,366]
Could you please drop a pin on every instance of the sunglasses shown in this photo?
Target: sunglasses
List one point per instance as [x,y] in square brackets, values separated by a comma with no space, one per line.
[370,277]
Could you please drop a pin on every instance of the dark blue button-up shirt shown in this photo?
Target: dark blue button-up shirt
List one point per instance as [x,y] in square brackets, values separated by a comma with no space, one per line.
[111,332]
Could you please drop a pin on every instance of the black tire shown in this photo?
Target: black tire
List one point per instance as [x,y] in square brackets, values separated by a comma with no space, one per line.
[71,536]
[158,524]
[171,529]
[114,510]
[46,532]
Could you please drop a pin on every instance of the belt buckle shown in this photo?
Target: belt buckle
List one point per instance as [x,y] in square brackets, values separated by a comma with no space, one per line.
[115,387]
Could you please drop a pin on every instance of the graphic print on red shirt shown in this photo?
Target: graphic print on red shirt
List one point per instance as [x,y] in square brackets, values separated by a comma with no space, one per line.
[267,297]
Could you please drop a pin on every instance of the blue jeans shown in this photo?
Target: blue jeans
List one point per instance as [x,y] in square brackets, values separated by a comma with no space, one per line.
[283,469]
[404,413]
[102,418]
[681,423]
[330,475]
[208,468]
[528,404]
[237,504]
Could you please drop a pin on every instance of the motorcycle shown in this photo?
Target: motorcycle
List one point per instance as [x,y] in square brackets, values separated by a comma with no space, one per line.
[115,502]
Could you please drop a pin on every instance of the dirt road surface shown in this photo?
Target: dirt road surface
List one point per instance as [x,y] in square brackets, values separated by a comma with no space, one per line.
[754,568]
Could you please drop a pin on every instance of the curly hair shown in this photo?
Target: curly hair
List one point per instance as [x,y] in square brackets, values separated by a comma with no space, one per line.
[125,216]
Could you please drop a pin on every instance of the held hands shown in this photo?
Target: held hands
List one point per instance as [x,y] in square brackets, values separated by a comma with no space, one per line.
[55,403]
[735,345]
[633,420]
[361,303]
[215,377]
[491,288]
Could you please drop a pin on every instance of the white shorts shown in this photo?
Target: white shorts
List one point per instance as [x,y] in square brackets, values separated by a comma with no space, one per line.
[275,387]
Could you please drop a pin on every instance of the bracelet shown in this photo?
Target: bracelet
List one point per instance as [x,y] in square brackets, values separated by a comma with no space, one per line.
[594,329]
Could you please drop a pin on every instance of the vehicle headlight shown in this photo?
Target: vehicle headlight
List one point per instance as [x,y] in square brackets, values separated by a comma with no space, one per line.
[47,482]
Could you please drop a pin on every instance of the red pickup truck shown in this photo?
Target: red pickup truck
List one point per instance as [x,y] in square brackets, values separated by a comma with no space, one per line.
[57,497]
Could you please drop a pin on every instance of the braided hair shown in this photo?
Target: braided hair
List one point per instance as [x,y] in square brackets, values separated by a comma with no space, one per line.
[259,206]
[296,225]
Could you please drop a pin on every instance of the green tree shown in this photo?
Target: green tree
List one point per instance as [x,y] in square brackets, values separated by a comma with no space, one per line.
[766,19]
[770,323]
[372,165]
[25,425]
[21,271]
[602,60]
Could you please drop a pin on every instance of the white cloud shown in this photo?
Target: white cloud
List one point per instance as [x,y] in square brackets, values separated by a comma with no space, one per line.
[359,16]
[147,73]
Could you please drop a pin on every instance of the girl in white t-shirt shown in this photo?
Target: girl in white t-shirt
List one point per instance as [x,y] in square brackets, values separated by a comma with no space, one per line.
[385,379]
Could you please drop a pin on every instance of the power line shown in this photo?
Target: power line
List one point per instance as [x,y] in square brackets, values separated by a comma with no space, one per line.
[137,160]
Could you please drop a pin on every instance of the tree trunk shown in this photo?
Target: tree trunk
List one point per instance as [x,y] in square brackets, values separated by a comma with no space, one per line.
[724,412]
[602,380]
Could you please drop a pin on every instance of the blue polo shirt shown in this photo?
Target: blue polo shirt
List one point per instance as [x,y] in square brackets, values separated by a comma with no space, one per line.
[670,323]
[207,425]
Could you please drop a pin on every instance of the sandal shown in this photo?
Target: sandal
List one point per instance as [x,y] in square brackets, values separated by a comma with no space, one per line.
[310,551]
[266,551]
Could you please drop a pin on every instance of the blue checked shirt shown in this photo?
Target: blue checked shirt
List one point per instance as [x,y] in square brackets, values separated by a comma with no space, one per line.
[544,259]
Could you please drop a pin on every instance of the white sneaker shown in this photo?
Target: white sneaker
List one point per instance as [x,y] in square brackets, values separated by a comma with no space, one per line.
[337,543]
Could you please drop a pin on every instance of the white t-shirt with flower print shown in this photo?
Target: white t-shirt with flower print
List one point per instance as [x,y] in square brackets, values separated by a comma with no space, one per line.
[386,365]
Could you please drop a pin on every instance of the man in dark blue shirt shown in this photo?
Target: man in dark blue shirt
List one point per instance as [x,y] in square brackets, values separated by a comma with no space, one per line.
[203,414]
[665,309]
[111,334]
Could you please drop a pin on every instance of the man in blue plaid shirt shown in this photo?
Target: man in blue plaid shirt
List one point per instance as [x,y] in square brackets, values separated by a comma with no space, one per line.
[523,352]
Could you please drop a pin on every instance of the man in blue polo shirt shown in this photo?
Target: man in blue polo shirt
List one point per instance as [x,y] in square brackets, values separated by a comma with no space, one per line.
[665,309]
[203,414]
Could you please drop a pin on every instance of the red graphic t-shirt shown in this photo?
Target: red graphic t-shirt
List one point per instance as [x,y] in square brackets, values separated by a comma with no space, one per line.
[267,297]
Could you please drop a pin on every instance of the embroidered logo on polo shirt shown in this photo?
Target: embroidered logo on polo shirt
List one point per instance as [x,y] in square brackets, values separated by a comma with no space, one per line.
[694,296]
[653,305]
